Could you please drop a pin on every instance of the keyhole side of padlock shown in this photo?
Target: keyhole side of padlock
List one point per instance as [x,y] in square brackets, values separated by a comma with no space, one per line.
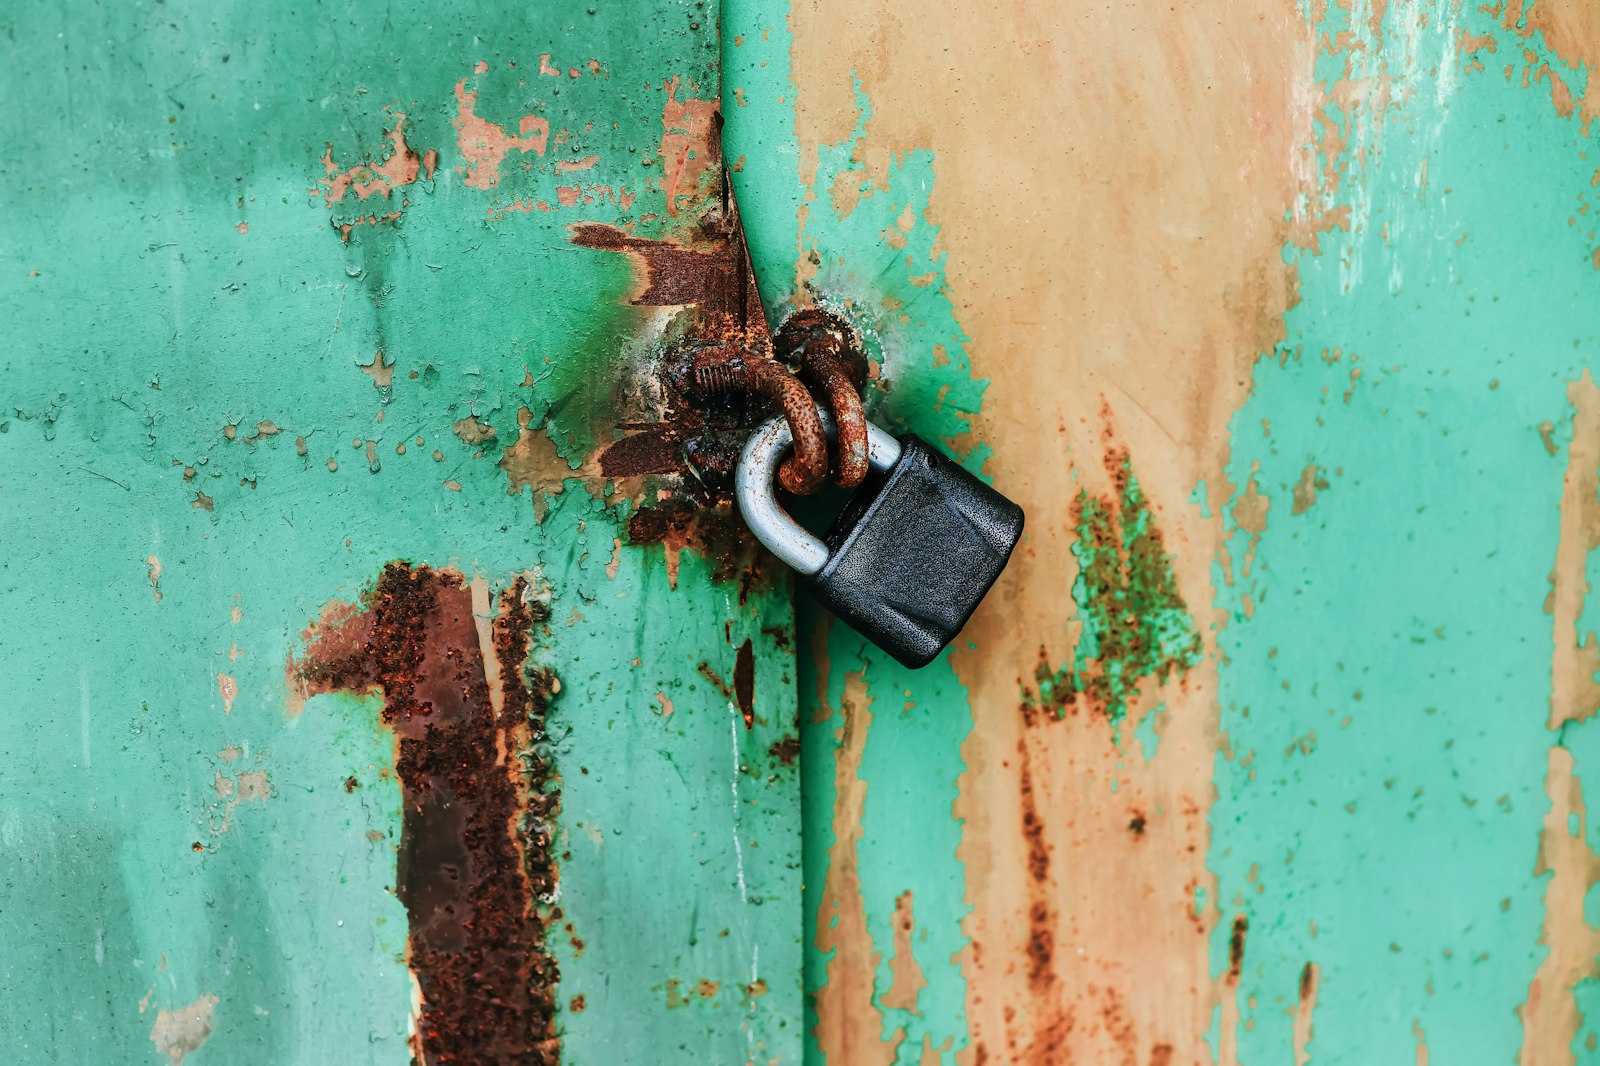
[793,544]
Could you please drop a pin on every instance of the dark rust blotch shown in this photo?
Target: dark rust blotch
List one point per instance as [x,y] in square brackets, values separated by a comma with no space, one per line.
[786,751]
[656,450]
[744,683]
[475,872]
[1308,982]
[1236,947]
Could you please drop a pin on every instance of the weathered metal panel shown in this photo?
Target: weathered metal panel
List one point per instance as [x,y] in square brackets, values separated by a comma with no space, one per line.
[345,704]
[1278,318]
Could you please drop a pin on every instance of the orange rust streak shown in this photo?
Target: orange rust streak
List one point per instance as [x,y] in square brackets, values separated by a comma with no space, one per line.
[849,1024]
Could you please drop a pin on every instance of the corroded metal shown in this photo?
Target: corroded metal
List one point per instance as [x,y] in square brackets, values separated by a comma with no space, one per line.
[819,342]
[349,343]
[804,469]
[477,872]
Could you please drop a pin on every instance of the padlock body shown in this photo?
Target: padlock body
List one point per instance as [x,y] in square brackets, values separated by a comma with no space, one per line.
[914,551]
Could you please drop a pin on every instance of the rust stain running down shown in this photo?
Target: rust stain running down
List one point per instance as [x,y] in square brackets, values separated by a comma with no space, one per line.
[744,683]
[1302,1015]
[475,869]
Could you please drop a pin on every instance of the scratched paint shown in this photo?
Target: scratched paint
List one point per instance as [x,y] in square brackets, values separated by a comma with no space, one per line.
[1331,271]
[266,339]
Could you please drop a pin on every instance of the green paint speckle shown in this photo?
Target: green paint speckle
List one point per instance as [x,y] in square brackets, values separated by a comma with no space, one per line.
[1135,624]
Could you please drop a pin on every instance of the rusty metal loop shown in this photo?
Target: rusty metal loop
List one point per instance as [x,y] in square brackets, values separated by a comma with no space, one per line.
[822,366]
[820,344]
[804,471]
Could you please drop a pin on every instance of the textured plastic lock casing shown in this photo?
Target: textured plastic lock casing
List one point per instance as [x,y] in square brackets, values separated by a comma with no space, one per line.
[914,551]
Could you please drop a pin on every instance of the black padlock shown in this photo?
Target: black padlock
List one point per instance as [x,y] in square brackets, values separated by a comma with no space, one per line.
[911,555]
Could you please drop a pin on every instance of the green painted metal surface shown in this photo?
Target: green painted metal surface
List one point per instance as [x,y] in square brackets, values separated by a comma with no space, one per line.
[263,343]
[1397,816]
[230,382]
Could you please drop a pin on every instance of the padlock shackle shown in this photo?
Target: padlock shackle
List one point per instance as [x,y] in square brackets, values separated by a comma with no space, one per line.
[791,542]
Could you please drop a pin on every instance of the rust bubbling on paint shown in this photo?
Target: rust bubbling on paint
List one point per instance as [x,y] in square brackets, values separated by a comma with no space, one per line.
[476,871]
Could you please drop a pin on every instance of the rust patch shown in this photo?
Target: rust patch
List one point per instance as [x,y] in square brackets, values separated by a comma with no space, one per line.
[849,1025]
[228,690]
[1134,620]
[475,869]
[532,462]
[1236,948]
[709,276]
[693,440]
[785,751]
[1550,1014]
[1228,1040]
[678,523]
[690,144]
[178,1032]
[1302,1014]
[1312,481]
[1571,28]
[380,370]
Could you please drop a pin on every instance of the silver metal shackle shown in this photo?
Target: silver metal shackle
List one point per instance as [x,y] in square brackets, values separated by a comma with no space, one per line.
[783,536]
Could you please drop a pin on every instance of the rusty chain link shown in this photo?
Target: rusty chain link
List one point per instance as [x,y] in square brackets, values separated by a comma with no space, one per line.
[828,362]
[822,341]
